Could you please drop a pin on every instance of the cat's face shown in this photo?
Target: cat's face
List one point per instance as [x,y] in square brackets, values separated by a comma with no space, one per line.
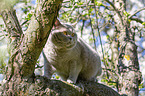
[63,38]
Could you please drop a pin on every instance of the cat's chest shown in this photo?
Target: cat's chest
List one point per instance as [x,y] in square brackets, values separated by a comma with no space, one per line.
[61,58]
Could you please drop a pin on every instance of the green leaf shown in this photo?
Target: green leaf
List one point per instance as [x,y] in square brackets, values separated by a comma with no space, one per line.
[98,3]
[143,24]
[141,85]
[57,77]
[76,6]
[1,25]
[90,10]
[85,15]
[107,36]
[29,16]
[104,80]
[126,14]
[80,3]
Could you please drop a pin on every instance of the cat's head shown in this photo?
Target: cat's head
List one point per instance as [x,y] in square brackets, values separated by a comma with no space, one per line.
[62,36]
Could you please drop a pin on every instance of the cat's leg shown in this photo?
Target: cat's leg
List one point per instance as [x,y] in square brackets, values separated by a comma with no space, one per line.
[74,72]
[48,68]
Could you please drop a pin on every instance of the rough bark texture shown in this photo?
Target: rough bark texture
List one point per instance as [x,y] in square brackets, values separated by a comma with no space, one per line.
[128,66]
[24,50]
[40,86]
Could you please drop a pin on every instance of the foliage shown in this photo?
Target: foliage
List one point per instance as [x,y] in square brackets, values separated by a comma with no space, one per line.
[8,4]
[94,21]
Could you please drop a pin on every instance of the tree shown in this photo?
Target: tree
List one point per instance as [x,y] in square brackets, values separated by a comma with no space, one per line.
[128,71]
[121,64]
[121,67]
[24,50]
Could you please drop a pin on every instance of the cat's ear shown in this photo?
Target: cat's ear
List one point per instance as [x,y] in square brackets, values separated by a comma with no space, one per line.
[56,24]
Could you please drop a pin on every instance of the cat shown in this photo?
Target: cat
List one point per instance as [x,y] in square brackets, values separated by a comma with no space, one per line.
[69,56]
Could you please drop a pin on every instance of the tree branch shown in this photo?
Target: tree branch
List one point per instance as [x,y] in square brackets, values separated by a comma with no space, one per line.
[14,30]
[136,12]
[12,24]
[44,87]
[136,19]
[22,61]
[115,10]
[26,49]
[37,33]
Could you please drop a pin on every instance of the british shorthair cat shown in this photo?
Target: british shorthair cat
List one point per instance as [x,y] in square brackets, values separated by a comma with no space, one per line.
[69,56]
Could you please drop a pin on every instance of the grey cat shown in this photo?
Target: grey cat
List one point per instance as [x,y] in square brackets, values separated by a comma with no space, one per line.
[69,56]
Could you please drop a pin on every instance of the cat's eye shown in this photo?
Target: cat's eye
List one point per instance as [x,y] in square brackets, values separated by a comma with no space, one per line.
[65,33]
[72,34]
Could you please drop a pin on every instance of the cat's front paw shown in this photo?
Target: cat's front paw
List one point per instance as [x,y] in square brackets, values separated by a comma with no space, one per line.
[70,81]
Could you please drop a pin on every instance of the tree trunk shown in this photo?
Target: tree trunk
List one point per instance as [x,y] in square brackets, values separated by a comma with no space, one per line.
[24,50]
[128,66]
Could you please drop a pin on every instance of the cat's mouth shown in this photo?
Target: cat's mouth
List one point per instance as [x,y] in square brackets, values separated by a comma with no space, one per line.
[70,44]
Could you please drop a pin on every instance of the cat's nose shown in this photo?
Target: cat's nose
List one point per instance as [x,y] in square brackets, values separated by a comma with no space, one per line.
[70,37]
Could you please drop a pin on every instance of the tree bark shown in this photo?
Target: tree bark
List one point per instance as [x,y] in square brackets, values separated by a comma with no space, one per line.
[128,65]
[24,50]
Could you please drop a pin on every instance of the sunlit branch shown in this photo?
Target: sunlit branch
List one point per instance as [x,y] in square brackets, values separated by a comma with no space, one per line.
[116,10]
[82,28]
[13,26]
[115,72]
[136,19]
[136,12]
[5,36]
[100,39]
[92,30]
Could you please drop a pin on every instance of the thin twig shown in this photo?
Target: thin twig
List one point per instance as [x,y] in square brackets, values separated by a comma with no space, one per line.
[116,11]
[110,70]
[4,34]
[136,19]
[17,25]
[100,39]
[104,25]
[99,32]
[136,12]
[82,28]
[24,22]
[92,30]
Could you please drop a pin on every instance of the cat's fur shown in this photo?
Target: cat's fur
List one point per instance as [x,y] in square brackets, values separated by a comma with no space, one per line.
[69,56]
